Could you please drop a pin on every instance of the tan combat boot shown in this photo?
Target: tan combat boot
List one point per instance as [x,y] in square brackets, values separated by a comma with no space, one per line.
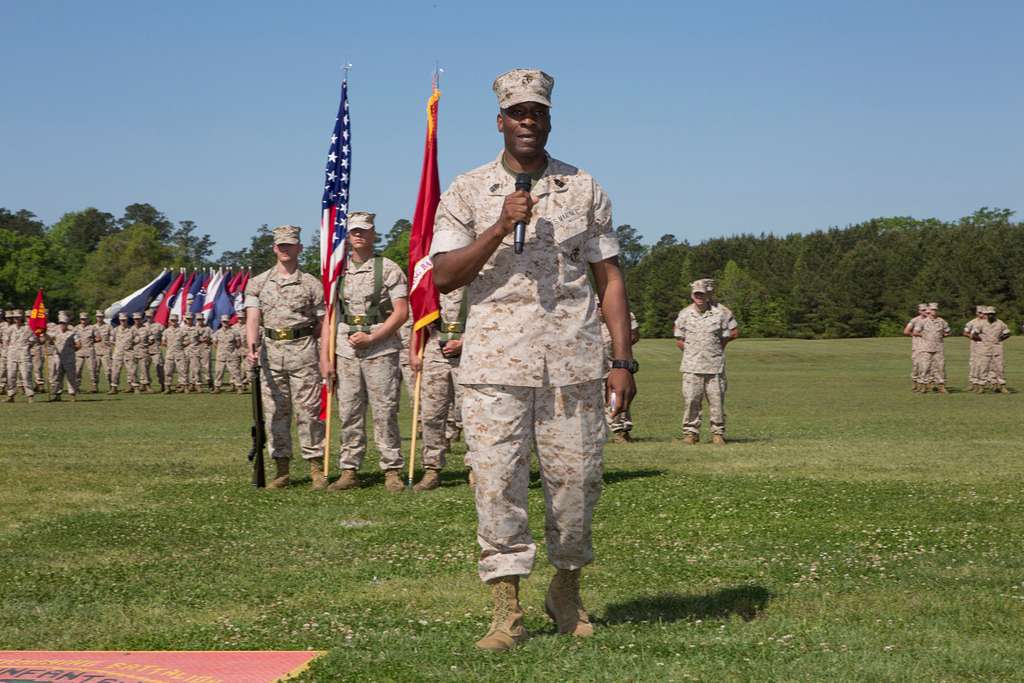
[238,389]
[316,473]
[690,438]
[564,606]
[149,389]
[74,398]
[281,478]
[348,480]
[55,398]
[393,481]
[216,390]
[430,481]
[166,390]
[1002,389]
[718,439]
[30,399]
[111,391]
[9,399]
[942,389]
[507,628]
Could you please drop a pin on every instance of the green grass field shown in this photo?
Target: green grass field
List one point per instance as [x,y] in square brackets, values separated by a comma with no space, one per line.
[852,530]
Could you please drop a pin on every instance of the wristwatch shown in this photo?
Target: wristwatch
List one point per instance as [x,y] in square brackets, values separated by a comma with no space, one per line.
[630,365]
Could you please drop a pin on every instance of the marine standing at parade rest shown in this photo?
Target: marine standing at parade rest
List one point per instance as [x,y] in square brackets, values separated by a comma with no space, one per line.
[156,334]
[440,394]
[532,363]
[915,348]
[226,342]
[124,355]
[20,342]
[285,310]
[199,354]
[141,353]
[65,340]
[620,424]
[103,333]
[990,336]
[241,349]
[3,349]
[188,340]
[974,371]
[932,331]
[174,340]
[702,331]
[372,305]
[86,354]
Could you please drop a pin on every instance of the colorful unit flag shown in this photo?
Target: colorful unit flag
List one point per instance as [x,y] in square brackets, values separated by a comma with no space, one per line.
[37,318]
[423,296]
[163,310]
[139,300]
[334,205]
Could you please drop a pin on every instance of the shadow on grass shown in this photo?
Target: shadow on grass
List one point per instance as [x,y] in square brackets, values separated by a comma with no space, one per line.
[747,602]
[610,476]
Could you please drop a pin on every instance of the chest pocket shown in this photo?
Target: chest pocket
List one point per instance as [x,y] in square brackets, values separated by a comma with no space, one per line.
[570,238]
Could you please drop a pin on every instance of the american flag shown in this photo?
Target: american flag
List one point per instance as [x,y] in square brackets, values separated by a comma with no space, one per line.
[334,220]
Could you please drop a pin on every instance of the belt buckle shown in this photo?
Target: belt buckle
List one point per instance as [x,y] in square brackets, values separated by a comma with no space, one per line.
[282,334]
[452,327]
[359,320]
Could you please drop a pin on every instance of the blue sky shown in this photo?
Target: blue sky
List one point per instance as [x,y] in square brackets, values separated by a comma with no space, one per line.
[700,120]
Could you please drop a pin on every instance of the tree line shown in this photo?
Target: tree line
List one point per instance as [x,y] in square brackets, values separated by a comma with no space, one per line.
[863,280]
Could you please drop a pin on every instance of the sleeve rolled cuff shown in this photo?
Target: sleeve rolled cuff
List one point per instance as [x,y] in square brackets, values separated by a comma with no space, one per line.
[602,247]
[448,241]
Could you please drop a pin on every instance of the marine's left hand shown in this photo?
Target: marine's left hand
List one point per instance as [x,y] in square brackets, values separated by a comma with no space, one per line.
[360,340]
[620,383]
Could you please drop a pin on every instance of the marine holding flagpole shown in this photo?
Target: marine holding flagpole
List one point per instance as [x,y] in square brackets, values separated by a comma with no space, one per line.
[533,360]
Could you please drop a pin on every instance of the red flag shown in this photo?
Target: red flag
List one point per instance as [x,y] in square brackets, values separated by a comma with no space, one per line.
[37,318]
[423,296]
[164,309]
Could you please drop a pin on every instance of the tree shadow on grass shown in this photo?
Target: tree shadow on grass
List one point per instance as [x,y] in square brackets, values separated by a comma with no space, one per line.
[747,602]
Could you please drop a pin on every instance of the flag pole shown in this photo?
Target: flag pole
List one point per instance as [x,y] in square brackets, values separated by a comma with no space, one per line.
[331,342]
[421,341]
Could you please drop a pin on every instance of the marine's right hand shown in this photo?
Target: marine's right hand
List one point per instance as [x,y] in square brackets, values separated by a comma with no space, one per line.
[253,357]
[517,206]
[327,372]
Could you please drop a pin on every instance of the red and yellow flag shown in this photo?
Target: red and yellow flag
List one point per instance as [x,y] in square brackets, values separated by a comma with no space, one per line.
[423,296]
[37,318]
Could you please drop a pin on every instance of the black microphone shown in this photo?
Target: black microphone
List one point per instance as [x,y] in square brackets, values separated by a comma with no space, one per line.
[522,185]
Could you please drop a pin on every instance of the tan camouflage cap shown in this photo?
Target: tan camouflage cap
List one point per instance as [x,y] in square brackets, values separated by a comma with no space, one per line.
[704,285]
[173,316]
[100,314]
[361,220]
[922,307]
[991,310]
[14,313]
[189,316]
[980,309]
[63,317]
[933,306]
[83,315]
[287,234]
[523,85]
[122,316]
[225,318]
[136,316]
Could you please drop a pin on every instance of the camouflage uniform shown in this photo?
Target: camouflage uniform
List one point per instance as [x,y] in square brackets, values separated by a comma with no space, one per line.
[371,375]
[64,342]
[932,359]
[440,393]
[103,333]
[39,352]
[199,352]
[175,339]
[225,343]
[124,354]
[532,361]
[241,350]
[4,325]
[156,359]
[143,342]
[975,372]
[915,346]
[623,422]
[86,354]
[703,365]
[990,352]
[188,340]
[290,367]
[20,342]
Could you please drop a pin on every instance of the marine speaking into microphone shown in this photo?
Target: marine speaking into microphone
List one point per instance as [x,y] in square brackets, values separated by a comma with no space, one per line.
[522,185]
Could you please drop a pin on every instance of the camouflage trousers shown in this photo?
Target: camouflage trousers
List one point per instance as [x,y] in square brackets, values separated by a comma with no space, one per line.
[105,361]
[176,363]
[697,387]
[931,367]
[990,369]
[408,378]
[440,395]
[372,382]
[65,371]
[566,425]
[38,364]
[19,366]
[3,369]
[199,367]
[290,383]
[83,358]
[142,369]
[975,371]
[156,361]
[125,362]
[230,364]
[915,366]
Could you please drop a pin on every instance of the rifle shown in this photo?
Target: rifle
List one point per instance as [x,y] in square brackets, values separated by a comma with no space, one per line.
[259,430]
